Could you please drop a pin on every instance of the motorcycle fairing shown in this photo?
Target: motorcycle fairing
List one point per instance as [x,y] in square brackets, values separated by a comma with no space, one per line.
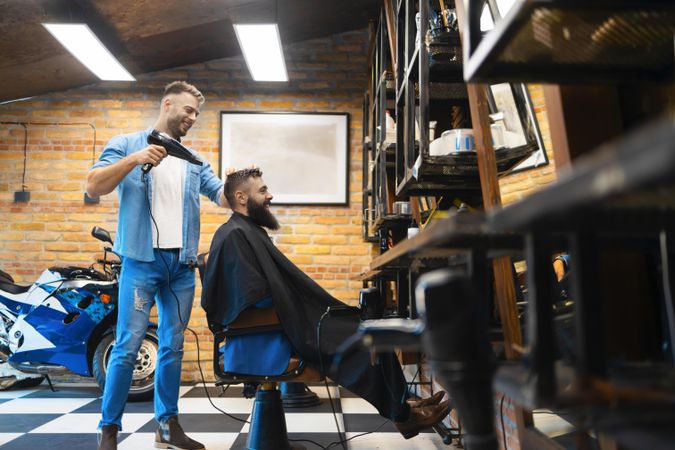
[66,320]
[13,307]
[23,302]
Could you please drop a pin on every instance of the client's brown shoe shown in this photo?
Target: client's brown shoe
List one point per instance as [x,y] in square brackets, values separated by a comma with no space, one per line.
[422,417]
[428,401]
[108,437]
[171,435]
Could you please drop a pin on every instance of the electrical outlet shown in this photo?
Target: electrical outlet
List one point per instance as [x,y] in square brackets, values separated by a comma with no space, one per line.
[21,197]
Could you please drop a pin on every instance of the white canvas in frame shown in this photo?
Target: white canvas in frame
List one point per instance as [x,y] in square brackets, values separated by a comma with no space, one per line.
[304,157]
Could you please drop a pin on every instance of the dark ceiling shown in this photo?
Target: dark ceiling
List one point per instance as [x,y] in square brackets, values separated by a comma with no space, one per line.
[151,35]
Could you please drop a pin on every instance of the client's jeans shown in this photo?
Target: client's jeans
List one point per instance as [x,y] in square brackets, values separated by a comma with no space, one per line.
[141,283]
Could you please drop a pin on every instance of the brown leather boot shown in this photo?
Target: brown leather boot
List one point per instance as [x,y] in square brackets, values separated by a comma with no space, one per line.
[108,436]
[422,417]
[428,401]
[170,435]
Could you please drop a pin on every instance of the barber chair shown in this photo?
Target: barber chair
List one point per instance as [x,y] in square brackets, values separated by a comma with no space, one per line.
[268,424]
[453,332]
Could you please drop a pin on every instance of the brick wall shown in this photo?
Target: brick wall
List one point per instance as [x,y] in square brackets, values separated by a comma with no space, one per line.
[327,74]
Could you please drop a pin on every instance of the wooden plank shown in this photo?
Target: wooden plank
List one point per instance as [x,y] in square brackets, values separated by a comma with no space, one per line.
[390,15]
[372,35]
[505,294]
[533,439]
[580,119]
[459,231]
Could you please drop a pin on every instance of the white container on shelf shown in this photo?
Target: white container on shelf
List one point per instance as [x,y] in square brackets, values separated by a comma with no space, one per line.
[438,147]
[497,130]
[457,140]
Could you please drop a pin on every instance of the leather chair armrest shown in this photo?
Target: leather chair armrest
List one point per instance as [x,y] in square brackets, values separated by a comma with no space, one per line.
[253,321]
[254,318]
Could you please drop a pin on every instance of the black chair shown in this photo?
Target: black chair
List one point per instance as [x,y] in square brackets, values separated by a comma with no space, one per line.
[452,330]
[268,424]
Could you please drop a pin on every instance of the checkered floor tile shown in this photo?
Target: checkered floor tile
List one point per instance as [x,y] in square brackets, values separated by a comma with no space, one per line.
[67,419]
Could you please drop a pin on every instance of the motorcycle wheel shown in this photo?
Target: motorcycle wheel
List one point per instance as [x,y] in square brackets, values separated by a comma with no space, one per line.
[143,378]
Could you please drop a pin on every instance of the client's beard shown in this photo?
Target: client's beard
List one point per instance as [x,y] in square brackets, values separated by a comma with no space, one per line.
[261,215]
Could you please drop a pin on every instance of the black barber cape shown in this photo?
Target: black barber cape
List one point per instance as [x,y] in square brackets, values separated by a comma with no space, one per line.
[244,266]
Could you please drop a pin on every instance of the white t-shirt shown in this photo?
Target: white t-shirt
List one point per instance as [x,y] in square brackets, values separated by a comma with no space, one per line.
[168,180]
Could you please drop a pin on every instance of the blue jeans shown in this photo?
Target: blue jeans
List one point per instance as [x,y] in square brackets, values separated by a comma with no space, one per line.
[141,283]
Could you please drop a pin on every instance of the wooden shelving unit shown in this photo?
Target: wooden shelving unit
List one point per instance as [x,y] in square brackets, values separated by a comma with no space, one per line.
[429,87]
[616,206]
[416,75]
[613,213]
[574,41]
[425,88]
[379,153]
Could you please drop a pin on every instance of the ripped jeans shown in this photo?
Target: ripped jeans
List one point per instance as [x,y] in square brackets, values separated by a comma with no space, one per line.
[141,284]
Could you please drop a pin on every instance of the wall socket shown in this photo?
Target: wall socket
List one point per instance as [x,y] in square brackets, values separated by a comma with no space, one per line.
[21,197]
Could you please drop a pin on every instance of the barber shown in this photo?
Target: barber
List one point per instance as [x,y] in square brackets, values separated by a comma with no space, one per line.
[157,236]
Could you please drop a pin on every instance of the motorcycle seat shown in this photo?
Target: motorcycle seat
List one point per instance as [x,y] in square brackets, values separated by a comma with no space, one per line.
[13,288]
[7,284]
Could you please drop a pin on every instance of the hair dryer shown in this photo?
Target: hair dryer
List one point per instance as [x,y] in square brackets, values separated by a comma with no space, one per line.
[173,148]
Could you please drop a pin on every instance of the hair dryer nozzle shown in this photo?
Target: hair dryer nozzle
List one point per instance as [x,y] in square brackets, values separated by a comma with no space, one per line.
[173,147]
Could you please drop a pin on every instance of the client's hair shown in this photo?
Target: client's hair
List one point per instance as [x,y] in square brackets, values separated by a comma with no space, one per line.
[235,180]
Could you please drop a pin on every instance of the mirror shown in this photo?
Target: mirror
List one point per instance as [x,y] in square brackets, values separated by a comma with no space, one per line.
[101,234]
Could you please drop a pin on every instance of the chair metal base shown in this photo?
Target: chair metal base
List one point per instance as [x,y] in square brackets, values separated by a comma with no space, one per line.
[296,395]
[268,424]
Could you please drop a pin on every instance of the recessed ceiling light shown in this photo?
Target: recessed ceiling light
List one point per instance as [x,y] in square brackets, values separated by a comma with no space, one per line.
[261,46]
[83,44]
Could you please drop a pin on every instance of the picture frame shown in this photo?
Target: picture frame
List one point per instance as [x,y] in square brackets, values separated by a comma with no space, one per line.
[304,157]
[512,106]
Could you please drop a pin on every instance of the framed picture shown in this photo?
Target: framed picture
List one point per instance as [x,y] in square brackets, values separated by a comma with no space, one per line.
[304,156]
[515,123]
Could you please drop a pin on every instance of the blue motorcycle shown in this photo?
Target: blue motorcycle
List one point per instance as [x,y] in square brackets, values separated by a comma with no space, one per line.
[65,322]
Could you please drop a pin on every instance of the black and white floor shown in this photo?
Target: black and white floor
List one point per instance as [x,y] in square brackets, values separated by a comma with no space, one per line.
[38,418]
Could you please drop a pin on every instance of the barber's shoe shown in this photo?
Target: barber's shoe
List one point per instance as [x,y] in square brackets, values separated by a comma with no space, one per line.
[422,417]
[171,435]
[108,437]
[428,401]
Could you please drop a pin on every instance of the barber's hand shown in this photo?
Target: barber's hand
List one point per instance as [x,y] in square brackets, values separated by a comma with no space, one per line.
[559,268]
[153,154]
[230,170]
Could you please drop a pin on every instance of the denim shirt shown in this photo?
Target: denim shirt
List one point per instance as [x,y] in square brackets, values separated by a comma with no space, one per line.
[134,229]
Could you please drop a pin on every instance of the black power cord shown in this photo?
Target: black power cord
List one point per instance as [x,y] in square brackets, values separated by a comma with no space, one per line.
[325,379]
[342,441]
[501,417]
[201,372]
[180,318]
[379,427]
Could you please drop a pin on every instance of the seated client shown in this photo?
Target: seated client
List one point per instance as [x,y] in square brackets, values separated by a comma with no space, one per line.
[246,270]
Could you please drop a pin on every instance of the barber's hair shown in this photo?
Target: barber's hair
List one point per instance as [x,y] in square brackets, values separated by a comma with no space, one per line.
[177,87]
[235,180]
